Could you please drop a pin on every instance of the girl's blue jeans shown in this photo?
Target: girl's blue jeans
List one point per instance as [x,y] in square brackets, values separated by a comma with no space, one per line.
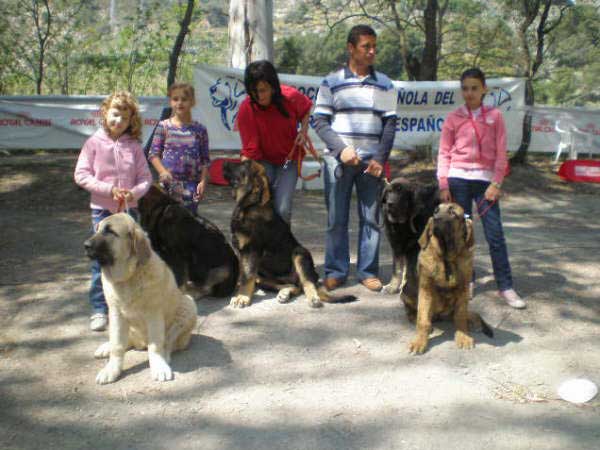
[282,181]
[96,295]
[465,192]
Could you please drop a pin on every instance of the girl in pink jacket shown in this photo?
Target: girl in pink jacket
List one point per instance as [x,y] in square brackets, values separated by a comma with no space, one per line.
[113,168]
[471,166]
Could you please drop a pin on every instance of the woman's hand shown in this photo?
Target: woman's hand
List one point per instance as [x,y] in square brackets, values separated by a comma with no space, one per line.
[445,196]
[301,139]
[492,193]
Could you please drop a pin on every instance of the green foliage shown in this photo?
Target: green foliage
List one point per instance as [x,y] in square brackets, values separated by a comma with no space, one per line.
[89,55]
[88,52]
[312,53]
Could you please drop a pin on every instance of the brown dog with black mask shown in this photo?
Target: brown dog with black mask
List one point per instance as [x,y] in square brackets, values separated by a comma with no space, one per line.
[445,268]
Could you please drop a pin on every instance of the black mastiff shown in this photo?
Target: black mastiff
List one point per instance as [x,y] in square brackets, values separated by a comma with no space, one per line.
[269,253]
[196,251]
[406,208]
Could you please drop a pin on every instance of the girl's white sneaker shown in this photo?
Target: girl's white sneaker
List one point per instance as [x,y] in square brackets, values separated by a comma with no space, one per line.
[512,298]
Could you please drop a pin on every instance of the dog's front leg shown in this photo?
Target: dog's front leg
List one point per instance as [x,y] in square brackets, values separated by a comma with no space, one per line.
[248,273]
[159,368]
[461,322]
[398,275]
[424,315]
[118,337]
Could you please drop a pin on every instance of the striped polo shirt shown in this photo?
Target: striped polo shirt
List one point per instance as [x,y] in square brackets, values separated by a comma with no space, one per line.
[357,106]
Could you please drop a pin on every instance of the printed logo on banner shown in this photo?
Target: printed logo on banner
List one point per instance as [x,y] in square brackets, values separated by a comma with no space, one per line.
[587,171]
[224,94]
[499,97]
[543,126]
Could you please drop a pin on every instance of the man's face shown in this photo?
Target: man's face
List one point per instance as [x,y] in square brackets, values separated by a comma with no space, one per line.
[363,53]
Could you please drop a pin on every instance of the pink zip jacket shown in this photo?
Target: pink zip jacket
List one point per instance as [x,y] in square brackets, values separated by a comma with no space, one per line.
[459,144]
[104,163]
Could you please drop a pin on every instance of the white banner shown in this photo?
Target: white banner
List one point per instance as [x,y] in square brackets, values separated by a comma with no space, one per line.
[422,106]
[577,130]
[55,122]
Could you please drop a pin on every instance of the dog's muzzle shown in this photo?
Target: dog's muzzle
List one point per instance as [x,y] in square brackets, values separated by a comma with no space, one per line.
[98,251]
[443,231]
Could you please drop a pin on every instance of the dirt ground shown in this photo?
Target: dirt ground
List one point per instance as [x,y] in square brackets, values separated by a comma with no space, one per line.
[276,376]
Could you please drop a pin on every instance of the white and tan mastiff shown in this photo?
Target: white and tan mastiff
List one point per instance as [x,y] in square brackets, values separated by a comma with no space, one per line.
[146,309]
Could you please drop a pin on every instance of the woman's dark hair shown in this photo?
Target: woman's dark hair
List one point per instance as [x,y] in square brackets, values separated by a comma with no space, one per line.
[474,72]
[264,71]
[357,31]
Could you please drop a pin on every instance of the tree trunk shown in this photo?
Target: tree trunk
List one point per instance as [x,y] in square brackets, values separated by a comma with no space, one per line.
[521,156]
[430,52]
[184,28]
[250,31]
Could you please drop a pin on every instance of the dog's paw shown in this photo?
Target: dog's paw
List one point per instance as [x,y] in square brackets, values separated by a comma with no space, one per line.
[103,351]
[159,369]
[463,340]
[417,346]
[109,374]
[315,302]
[390,289]
[240,301]
[284,295]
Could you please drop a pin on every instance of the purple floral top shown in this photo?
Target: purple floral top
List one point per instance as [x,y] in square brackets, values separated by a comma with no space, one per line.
[182,150]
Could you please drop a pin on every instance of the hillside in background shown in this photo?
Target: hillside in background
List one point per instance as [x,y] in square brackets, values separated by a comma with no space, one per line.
[97,46]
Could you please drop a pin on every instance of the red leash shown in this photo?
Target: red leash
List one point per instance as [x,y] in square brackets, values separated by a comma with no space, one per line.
[302,150]
[481,214]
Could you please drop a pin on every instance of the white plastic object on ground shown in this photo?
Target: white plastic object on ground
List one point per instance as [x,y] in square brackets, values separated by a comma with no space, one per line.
[577,390]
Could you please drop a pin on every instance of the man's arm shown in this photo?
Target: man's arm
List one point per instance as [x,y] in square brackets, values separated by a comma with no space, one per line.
[387,139]
[331,139]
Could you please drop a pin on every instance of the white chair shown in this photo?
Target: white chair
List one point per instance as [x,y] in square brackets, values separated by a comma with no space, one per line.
[584,140]
[564,129]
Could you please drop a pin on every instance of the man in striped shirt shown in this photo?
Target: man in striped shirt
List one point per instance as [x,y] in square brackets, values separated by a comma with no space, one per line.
[355,116]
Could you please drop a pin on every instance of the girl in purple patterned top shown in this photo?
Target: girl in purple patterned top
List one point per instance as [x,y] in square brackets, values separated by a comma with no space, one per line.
[179,150]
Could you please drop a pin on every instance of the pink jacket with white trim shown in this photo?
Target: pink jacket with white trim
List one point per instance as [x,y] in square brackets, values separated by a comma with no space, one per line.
[104,163]
[459,146]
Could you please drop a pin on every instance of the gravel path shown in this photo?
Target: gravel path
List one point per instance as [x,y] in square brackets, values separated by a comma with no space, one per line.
[288,377]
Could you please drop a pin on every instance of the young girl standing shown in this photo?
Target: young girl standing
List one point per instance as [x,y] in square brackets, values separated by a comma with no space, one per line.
[179,150]
[113,168]
[471,166]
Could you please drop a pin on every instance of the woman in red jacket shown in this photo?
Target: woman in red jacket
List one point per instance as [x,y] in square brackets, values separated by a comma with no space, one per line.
[268,122]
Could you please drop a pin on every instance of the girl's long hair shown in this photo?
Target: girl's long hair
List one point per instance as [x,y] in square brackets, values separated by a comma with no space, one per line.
[264,71]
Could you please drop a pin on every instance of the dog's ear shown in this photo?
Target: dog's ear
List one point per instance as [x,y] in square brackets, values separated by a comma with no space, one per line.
[426,235]
[261,186]
[469,238]
[140,246]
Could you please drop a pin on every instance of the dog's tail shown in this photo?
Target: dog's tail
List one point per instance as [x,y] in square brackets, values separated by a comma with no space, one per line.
[324,296]
[476,323]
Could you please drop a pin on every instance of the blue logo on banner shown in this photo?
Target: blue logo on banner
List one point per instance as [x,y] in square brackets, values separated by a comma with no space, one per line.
[499,97]
[224,95]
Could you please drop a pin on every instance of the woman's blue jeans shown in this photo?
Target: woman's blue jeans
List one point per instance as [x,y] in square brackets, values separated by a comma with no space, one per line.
[282,181]
[465,192]
[338,195]
[96,295]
